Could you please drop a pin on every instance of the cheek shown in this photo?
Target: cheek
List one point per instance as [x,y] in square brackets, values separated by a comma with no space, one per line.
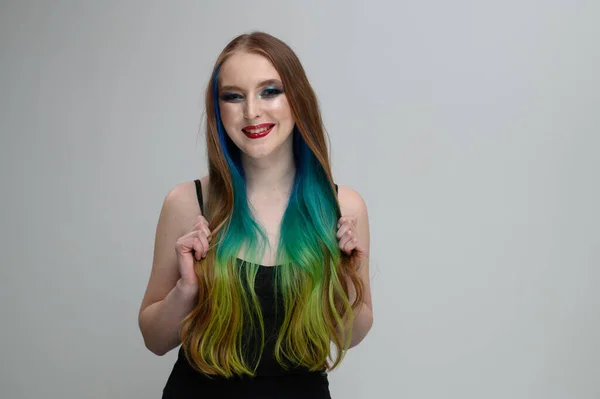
[231,113]
[279,107]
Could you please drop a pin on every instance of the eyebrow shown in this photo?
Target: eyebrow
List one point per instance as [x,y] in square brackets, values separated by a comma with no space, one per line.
[261,84]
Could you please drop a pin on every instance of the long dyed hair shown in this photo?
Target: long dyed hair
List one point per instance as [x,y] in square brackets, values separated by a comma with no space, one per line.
[312,277]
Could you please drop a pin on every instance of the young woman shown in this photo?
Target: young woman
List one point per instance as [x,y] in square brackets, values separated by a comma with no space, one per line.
[262,264]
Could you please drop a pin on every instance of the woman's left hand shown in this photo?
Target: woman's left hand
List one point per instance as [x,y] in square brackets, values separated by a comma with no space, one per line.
[348,239]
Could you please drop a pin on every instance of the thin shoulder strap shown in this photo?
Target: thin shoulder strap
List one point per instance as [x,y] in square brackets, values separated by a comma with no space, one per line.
[199,194]
[336,188]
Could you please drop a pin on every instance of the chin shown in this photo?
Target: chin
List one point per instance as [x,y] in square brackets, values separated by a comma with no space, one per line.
[279,139]
[258,153]
[266,148]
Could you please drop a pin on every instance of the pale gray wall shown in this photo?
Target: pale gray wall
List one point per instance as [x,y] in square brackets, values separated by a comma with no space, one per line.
[470,128]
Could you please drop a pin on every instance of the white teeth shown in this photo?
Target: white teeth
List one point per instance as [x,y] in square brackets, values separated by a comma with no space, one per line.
[257,131]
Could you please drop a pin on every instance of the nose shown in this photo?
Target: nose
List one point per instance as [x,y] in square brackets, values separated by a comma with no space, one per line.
[252,108]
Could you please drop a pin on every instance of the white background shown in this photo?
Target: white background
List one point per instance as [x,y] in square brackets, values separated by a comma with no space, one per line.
[470,128]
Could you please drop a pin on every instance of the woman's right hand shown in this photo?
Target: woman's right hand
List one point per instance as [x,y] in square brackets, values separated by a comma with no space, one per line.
[191,247]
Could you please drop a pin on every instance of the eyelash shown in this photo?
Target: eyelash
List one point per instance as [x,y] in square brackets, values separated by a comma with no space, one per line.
[231,97]
[272,92]
[269,92]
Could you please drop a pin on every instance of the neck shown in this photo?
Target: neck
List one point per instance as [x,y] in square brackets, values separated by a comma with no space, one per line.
[273,174]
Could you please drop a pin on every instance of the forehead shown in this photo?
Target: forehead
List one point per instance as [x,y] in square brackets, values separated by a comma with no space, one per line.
[246,70]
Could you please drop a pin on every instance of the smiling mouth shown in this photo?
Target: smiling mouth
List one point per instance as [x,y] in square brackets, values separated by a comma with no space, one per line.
[258,129]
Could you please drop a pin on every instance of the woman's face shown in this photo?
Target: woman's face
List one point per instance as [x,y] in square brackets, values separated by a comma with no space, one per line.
[254,109]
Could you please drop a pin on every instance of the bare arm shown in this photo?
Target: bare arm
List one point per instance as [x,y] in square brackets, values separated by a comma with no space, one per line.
[363,321]
[168,298]
[160,322]
[353,206]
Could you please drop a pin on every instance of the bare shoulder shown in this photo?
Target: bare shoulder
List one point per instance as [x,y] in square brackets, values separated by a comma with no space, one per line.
[181,206]
[177,217]
[351,202]
[181,203]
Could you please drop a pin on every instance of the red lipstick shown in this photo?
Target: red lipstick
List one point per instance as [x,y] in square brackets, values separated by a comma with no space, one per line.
[258,131]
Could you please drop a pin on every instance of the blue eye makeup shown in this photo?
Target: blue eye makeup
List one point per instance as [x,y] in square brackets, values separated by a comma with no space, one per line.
[231,97]
[267,93]
[271,92]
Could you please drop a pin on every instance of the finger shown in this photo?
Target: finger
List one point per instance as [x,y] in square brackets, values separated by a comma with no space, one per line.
[201,219]
[204,222]
[349,218]
[347,247]
[201,226]
[205,231]
[199,223]
[352,220]
[204,242]
[184,244]
[350,234]
[197,246]
[343,230]
[352,245]
[347,244]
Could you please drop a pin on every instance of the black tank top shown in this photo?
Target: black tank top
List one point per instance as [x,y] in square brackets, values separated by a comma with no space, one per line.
[271,381]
